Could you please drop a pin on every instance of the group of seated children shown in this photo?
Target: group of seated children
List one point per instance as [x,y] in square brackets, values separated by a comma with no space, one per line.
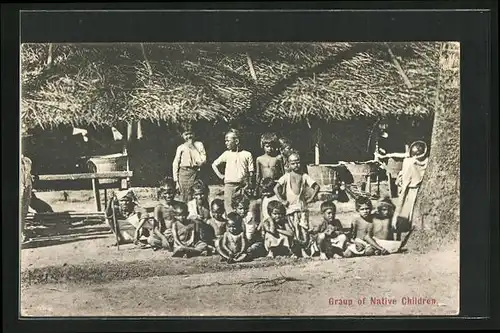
[195,229]
[276,224]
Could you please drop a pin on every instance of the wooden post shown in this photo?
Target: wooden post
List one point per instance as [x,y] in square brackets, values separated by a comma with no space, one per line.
[369,183]
[316,146]
[95,188]
[125,182]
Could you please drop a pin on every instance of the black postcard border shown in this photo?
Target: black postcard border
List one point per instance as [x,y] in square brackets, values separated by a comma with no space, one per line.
[477,32]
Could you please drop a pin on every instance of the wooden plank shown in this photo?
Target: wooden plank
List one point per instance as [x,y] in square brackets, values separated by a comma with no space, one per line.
[78,176]
[97,197]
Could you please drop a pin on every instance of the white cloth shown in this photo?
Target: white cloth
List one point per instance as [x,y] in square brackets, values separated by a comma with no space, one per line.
[297,202]
[239,164]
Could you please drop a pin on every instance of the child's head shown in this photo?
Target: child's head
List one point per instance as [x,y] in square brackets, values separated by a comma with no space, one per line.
[328,209]
[276,210]
[234,223]
[241,204]
[294,161]
[364,206]
[217,209]
[418,149]
[267,187]
[284,143]
[199,191]
[385,208]
[232,139]
[167,190]
[187,133]
[269,142]
[126,202]
[180,211]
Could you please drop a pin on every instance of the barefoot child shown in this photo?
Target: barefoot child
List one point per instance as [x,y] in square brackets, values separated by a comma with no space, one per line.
[278,231]
[239,170]
[241,206]
[291,192]
[383,231]
[186,235]
[328,238]
[217,222]
[232,246]
[128,215]
[269,165]
[362,232]
[164,217]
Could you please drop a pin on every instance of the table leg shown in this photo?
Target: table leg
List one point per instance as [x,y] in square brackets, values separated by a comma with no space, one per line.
[97,197]
[105,198]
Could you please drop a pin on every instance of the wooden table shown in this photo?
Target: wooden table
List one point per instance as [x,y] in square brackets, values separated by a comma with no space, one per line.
[122,175]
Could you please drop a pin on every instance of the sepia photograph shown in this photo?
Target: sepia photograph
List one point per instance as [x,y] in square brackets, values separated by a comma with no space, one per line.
[239,179]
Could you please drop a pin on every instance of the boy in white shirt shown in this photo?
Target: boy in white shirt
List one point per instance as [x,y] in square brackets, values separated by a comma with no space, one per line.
[239,170]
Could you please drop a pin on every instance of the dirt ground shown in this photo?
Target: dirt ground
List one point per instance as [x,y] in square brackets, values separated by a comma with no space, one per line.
[70,270]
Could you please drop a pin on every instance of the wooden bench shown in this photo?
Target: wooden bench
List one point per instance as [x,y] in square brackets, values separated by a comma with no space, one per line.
[124,176]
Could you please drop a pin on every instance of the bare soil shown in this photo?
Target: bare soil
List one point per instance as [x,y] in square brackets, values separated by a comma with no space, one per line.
[70,270]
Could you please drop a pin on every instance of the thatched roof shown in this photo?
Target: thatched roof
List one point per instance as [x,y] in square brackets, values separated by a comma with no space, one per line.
[106,84]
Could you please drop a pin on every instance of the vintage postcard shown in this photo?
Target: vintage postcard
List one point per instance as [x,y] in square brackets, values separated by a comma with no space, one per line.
[240,179]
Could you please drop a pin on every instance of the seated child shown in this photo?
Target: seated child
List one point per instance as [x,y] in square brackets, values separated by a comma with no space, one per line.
[362,232]
[217,224]
[186,235]
[129,215]
[198,208]
[278,231]
[164,217]
[267,195]
[241,205]
[233,246]
[383,231]
[328,238]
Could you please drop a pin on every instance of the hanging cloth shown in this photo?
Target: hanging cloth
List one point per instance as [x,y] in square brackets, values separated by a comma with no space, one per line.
[139,130]
[116,134]
[82,132]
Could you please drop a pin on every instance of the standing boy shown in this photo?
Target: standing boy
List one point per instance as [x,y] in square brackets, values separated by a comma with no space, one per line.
[291,191]
[269,165]
[239,170]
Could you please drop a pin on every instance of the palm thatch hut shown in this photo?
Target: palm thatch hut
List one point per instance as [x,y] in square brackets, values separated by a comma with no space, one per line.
[297,89]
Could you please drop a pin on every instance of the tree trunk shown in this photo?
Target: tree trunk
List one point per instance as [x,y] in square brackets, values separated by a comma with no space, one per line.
[438,203]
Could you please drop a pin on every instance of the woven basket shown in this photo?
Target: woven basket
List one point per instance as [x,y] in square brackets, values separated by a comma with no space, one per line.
[107,163]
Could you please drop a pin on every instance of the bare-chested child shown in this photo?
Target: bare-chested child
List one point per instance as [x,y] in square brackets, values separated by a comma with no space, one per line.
[124,209]
[291,191]
[328,237]
[362,232]
[278,231]
[164,217]
[217,223]
[271,164]
[233,245]
[383,231]
[186,234]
